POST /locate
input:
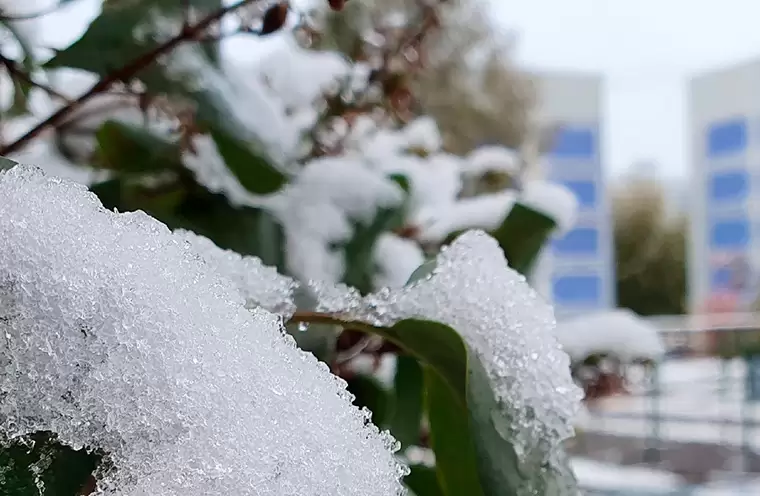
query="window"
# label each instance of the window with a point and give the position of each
(720, 278)
(585, 192)
(729, 186)
(577, 290)
(574, 142)
(582, 241)
(729, 233)
(729, 136)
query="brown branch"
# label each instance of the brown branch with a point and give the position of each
(17, 73)
(125, 73)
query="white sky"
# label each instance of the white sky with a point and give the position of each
(647, 50)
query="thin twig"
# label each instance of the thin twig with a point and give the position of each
(125, 73)
(17, 73)
(354, 351)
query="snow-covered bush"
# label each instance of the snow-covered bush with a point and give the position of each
(146, 352)
(602, 344)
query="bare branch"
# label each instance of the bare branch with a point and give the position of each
(17, 73)
(124, 73)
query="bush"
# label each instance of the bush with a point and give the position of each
(302, 195)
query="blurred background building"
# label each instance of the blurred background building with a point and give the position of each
(578, 268)
(724, 121)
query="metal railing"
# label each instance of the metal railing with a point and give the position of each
(709, 417)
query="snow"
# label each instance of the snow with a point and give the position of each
(246, 102)
(396, 259)
(210, 170)
(492, 158)
(300, 76)
(486, 212)
(317, 210)
(553, 200)
(423, 134)
(504, 322)
(117, 335)
(701, 400)
(260, 285)
(617, 332)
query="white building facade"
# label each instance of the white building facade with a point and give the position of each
(724, 248)
(577, 271)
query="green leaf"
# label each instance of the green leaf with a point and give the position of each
(406, 420)
(470, 434)
(254, 171)
(433, 343)
(522, 235)
(422, 480)
(423, 271)
(500, 466)
(371, 394)
(21, 87)
(475, 443)
(127, 148)
(6, 163)
(40, 458)
(450, 438)
(121, 34)
(359, 250)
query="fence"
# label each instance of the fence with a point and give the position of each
(696, 415)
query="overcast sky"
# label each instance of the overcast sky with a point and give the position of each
(647, 50)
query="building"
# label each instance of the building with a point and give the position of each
(576, 271)
(724, 122)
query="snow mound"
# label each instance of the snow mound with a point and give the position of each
(117, 336)
(618, 332)
(502, 319)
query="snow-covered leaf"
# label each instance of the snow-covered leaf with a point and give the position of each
(619, 333)
(360, 249)
(531, 398)
(119, 337)
(522, 235)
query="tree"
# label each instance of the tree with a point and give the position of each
(650, 250)
(291, 195)
(466, 80)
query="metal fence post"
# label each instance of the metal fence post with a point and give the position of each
(652, 451)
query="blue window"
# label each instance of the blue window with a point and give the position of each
(585, 192)
(582, 241)
(574, 142)
(720, 278)
(729, 186)
(577, 290)
(728, 136)
(730, 234)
